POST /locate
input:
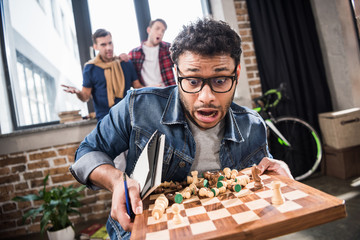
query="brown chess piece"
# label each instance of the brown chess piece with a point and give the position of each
(257, 180)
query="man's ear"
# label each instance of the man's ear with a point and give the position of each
(148, 30)
(238, 70)
(95, 47)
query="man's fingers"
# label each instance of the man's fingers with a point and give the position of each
(135, 199)
(280, 167)
(119, 212)
(264, 165)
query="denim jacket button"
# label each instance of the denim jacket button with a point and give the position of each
(182, 164)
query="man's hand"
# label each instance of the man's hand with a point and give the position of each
(124, 57)
(83, 95)
(70, 89)
(118, 207)
(280, 167)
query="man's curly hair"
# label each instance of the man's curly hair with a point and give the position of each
(207, 37)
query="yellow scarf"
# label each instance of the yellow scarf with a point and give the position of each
(115, 81)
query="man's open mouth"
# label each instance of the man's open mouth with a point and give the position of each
(208, 113)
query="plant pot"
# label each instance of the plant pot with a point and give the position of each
(63, 234)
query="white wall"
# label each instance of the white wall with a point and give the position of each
(340, 48)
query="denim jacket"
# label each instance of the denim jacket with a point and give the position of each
(131, 122)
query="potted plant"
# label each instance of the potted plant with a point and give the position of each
(56, 206)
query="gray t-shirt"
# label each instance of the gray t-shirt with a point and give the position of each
(207, 147)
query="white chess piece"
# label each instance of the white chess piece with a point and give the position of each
(195, 177)
(177, 219)
(277, 198)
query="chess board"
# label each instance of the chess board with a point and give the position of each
(245, 214)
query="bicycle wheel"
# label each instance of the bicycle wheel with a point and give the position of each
(304, 154)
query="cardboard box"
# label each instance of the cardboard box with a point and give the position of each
(340, 129)
(341, 163)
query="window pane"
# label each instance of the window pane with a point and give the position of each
(175, 17)
(42, 45)
(119, 18)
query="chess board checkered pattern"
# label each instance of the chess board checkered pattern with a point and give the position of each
(205, 215)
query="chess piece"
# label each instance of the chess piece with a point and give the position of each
(195, 176)
(186, 193)
(227, 172)
(210, 194)
(161, 203)
(277, 198)
(216, 191)
(222, 189)
(159, 190)
(236, 187)
(207, 175)
(202, 192)
(243, 180)
(221, 183)
(234, 173)
(174, 198)
(194, 189)
(177, 219)
(255, 175)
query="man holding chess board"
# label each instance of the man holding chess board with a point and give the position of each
(204, 129)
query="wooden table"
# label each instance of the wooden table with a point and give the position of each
(231, 215)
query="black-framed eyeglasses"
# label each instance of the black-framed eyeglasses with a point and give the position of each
(219, 84)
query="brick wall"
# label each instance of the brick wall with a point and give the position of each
(248, 48)
(23, 173)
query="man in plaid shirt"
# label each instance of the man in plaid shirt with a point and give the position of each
(152, 60)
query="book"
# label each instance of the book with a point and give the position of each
(148, 168)
(70, 116)
(87, 232)
(100, 234)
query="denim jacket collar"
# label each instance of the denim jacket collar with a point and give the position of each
(174, 114)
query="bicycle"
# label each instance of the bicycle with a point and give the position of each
(290, 139)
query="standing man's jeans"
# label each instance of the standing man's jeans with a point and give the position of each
(115, 231)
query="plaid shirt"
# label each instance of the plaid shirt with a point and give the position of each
(138, 57)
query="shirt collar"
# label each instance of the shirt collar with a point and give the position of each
(174, 114)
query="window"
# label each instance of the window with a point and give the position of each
(37, 102)
(38, 61)
(120, 20)
(186, 11)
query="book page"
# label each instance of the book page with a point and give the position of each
(142, 168)
(157, 174)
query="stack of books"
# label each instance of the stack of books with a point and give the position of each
(97, 231)
(70, 116)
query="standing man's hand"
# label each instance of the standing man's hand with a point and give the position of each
(280, 167)
(118, 207)
(83, 95)
(124, 57)
(70, 89)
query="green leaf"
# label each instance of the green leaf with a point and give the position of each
(44, 221)
(33, 212)
(30, 197)
(58, 202)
